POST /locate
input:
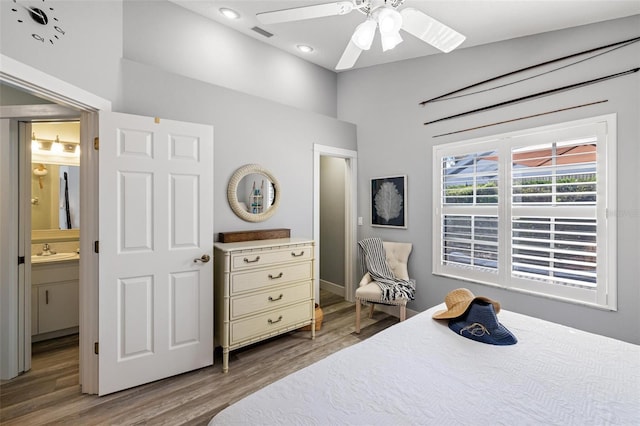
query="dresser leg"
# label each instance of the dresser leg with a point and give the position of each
(225, 360)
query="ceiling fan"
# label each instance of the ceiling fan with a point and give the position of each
(381, 14)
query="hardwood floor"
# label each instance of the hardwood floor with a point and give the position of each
(50, 394)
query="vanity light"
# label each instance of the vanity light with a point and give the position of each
(56, 146)
(55, 152)
(304, 48)
(35, 145)
(229, 13)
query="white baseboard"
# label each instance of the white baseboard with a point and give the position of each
(54, 334)
(332, 287)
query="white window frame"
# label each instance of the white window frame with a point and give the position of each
(605, 294)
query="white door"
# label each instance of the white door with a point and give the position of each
(156, 235)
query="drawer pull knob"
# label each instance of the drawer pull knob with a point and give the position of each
(271, 299)
(271, 277)
(270, 321)
(297, 255)
(251, 261)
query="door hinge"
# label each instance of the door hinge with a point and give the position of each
(96, 246)
(20, 260)
(96, 143)
(96, 348)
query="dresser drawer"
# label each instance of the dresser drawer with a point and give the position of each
(262, 258)
(271, 299)
(269, 323)
(267, 277)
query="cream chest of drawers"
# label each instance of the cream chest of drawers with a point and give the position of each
(262, 289)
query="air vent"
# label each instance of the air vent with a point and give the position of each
(262, 32)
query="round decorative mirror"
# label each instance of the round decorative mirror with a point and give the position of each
(253, 193)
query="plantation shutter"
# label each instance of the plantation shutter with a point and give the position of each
(532, 210)
(554, 211)
(469, 203)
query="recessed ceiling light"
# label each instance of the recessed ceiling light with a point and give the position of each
(229, 13)
(304, 48)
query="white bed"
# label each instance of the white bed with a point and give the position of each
(420, 372)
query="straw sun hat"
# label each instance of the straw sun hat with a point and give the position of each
(458, 301)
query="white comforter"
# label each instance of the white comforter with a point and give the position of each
(420, 372)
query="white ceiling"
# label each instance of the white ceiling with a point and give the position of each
(481, 21)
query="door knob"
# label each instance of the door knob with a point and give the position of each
(204, 258)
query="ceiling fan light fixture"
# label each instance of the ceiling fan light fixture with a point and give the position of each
(389, 41)
(389, 20)
(364, 33)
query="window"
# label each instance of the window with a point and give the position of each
(528, 211)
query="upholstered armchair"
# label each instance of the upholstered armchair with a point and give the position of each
(397, 256)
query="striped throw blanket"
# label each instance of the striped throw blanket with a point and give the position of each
(374, 260)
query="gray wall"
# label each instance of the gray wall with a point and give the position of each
(157, 59)
(332, 219)
(247, 129)
(169, 37)
(87, 55)
(11, 96)
(383, 102)
(175, 39)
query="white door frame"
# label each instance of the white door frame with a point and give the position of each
(46, 86)
(351, 212)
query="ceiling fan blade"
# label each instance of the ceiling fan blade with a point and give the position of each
(429, 30)
(349, 56)
(305, 12)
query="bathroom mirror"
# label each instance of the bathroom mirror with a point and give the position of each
(55, 196)
(55, 181)
(253, 193)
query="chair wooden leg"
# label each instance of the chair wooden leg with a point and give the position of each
(371, 310)
(403, 312)
(358, 316)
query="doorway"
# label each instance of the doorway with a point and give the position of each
(103, 361)
(51, 227)
(332, 225)
(62, 101)
(42, 147)
(344, 163)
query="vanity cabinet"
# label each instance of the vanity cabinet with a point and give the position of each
(54, 299)
(262, 289)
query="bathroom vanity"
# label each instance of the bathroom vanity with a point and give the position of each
(54, 297)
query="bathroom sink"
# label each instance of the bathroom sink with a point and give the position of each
(41, 258)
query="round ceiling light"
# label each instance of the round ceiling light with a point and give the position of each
(229, 13)
(304, 48)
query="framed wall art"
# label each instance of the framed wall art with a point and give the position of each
(389, 201)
